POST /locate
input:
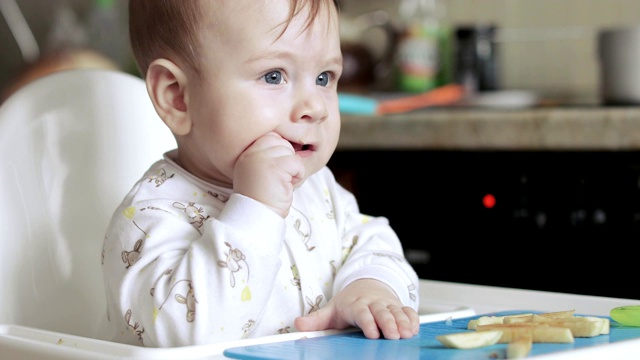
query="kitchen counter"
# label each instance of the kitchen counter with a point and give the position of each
(543, 128)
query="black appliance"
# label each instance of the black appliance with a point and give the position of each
(562, 221)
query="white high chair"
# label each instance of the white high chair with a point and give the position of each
(71, 145)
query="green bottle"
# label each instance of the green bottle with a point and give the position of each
(418, 58)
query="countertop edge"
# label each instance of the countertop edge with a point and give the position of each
(579, 128)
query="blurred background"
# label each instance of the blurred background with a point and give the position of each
(549, 48)
(546, 46)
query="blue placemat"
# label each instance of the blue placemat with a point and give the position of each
(354, 345)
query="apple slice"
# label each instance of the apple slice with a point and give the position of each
(470, 339)
(541, 332)
(520, 346)
(488, 319)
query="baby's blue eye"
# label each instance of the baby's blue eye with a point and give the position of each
(323, 79)
(273, 77)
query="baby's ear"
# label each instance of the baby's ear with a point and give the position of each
(166, 84)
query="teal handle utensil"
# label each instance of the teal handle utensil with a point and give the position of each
(357, 104)
(626, 315)
(365, 105)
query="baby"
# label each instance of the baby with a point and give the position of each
(242, 231)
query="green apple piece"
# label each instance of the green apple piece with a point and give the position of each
(627, 315)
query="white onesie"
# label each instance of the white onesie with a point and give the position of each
(186, 262)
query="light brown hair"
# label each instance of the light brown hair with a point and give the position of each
(169, 28)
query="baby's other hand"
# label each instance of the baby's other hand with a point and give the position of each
(267, 172)
(368, 304)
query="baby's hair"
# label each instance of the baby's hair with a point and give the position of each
(169, 28)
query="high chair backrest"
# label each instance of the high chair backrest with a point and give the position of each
(71, 146)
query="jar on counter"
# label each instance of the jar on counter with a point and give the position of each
(476, 65)
(418, 51)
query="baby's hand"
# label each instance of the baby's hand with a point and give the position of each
(267, 172)
(368, 304)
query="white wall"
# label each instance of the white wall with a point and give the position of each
(549, 45)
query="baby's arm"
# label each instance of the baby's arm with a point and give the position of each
(375, 289)
(174, 282)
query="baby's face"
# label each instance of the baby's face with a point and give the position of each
(257, 80)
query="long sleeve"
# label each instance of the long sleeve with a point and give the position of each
(177, 257)
(371, 249)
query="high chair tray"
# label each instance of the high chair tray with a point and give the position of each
(354, 345)
(23, 342)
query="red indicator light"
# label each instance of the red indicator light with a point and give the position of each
(489, 201)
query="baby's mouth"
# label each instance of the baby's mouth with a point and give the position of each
(301, 147)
